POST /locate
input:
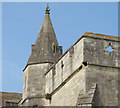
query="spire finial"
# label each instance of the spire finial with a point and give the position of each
(47, 11)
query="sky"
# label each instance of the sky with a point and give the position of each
(21, 23)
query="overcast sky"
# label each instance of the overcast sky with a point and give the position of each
(21, 23)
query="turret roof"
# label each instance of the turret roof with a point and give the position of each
(42, 50)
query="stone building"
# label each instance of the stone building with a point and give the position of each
(9, 99)
(87, 74)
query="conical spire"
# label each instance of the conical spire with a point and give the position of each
(46, 48)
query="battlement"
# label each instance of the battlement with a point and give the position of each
(90, 49)
(91, 35)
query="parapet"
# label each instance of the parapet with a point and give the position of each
(90, 49)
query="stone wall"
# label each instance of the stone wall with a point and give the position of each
(71, 61)
(67, 95)
(34, 84)
(103, 67)
(95, 51)
(96, 64)
(106, 79)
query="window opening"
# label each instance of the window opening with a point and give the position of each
(109, 49)
(62, 65)
(54, 48)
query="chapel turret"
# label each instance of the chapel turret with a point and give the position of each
(44, 53)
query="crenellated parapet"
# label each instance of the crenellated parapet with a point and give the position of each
(94, 58)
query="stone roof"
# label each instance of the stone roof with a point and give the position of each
(9, 97)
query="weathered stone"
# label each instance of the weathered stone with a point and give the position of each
(86, 75)
(99, 67)
(9, 98)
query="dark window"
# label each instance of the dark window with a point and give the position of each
(54, 48)
(35, 106)
(62, 65)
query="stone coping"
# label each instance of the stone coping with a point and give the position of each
(10, 92)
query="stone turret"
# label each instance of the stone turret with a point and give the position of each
(46, 48)
(44, 53)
